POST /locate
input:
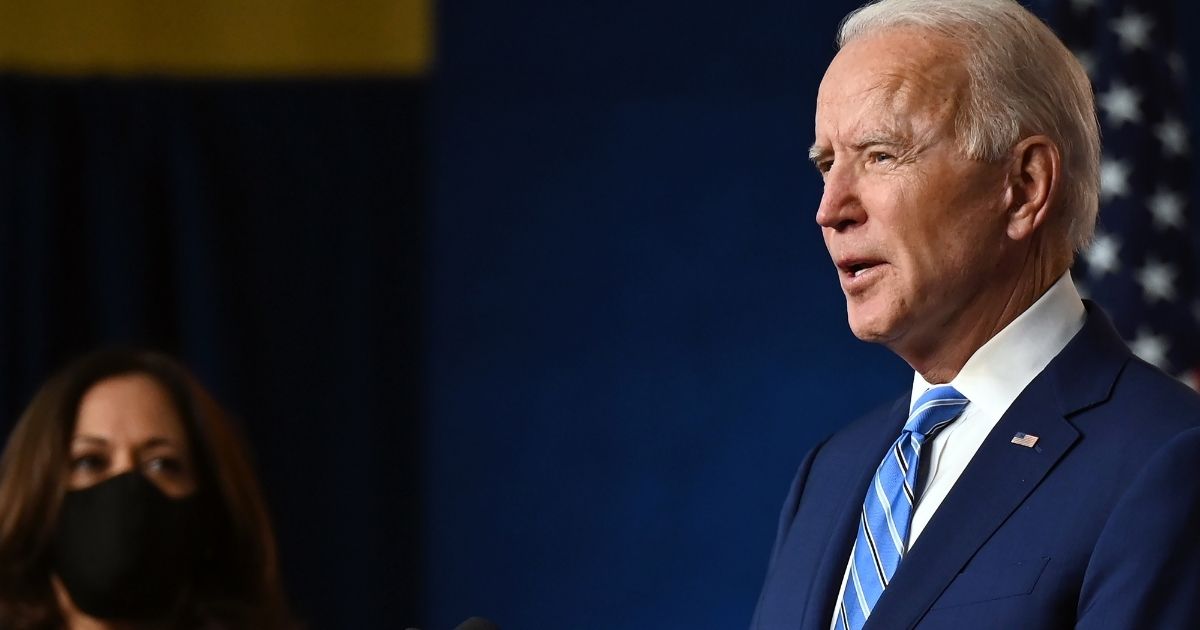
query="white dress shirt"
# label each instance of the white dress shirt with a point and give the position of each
(991, 379)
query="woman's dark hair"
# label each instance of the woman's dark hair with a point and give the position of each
(237, 584)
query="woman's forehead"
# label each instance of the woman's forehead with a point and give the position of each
(128, 407)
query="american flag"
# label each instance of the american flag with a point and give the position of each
(1140, 268)
(1024, 439)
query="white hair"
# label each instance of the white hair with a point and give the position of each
(1022, 81)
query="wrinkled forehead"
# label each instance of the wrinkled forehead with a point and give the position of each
(900, 74)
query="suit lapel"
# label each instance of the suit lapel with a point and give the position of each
(1001, 474)
(994, 484)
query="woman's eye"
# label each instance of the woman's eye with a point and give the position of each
(88, 463)
(168, 465)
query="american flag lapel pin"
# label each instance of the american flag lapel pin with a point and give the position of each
(1024, 439)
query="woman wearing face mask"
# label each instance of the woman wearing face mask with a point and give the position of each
(127, 502)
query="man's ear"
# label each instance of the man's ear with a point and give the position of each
(1034, 182)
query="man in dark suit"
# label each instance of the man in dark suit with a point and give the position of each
(1039, 475)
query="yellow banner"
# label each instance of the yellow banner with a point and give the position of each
(217, 38)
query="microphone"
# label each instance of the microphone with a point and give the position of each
(477, 623)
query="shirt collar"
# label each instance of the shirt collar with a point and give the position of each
(1000, 369)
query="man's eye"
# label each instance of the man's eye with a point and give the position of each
(878, 157)
(824, 166)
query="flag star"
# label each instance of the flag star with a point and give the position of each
(1173, 135)
(1114, 179)
(1150, 347)
(1087, 60)
(1167, 208)
(1102, 255)
(1157, 280)
(1133, 29)
(1178, 66)
(1121, 104)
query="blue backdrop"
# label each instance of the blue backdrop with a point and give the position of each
(634, 330)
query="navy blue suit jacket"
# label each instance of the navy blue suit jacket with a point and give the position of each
(1097, 526)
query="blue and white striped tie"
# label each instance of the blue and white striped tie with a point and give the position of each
(887, 510)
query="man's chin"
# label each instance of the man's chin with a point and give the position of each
(869, 336)
(872, 327)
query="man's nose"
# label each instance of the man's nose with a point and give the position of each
(840, 206)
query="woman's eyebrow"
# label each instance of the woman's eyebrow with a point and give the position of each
(158, 441)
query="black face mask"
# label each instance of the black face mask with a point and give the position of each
(123, 549)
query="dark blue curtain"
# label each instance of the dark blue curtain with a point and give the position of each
(269, 234)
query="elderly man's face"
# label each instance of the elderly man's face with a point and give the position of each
(914, 227)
